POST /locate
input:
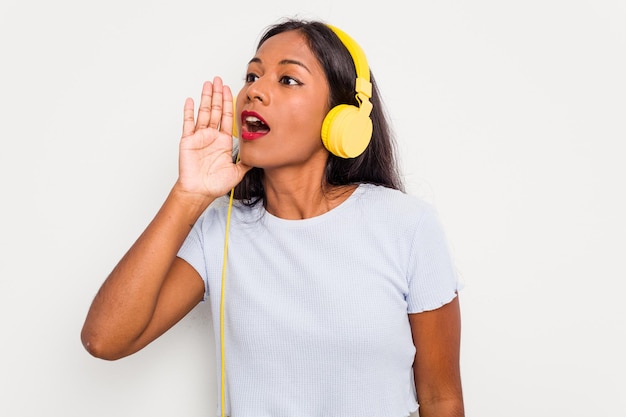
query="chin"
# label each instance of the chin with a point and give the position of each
(250, 159)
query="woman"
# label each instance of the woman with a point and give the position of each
(341, 297)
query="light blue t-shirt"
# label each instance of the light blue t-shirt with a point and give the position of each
(316, 309)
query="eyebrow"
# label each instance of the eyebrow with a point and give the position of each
(283, 62)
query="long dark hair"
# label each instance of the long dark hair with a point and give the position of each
(378, 164)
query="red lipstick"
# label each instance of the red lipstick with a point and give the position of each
(253, 126)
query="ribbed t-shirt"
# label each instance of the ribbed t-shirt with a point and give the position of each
(316, 310)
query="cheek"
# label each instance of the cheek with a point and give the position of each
(306, 119)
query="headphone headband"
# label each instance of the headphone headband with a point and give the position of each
(358, 56)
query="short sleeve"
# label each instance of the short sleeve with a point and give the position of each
(432, 276)
(192, 251)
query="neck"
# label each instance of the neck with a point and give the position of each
(302, 195)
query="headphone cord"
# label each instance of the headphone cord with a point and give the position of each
(222, 298)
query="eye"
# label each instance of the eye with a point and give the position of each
(289, 81)
(251, 77)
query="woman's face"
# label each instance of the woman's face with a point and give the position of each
(282, 105)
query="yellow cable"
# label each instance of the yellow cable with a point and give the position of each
(223, 291)
(222, 297)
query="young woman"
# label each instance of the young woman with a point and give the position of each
(341, 296)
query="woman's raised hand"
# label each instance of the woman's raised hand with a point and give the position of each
(206, 167)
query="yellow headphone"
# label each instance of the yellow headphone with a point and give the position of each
(347, 129)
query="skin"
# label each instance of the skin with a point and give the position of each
(291, 93)
(151, 289)
(437, 338)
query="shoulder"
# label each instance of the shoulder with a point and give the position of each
(392, 203)
(217, 209)
(220, 206)
(217, 212)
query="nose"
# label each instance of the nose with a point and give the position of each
(257, 92)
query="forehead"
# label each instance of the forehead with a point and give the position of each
(287, 45)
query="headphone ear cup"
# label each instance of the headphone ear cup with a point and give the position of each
(235, 132)
(235, 129)
(346, 131)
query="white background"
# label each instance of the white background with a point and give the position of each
(511, 120)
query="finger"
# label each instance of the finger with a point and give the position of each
(216, 103)
(204, 110)
(226, 124)
(188, 120)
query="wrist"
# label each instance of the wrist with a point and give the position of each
(194, 203)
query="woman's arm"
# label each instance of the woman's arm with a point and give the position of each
(148, 291)
(151, 289)
(437, 336)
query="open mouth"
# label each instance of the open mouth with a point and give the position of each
(253, 125)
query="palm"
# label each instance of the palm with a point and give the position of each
(206, 164)
(205, 160)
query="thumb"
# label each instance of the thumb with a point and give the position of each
(242, 170)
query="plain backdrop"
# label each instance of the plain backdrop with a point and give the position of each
(510, 117)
